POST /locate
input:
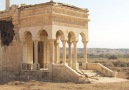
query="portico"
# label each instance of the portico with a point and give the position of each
(39, 52)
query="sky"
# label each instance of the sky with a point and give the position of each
(109, 21)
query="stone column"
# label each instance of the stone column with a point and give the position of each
(24, 55)
(48, 52)
(85, 56)
(36, 65)
(75, 64)
(44, 52)
(24, 45)
(57, 52)
(70, 53)
(52, 57)
(64, 51)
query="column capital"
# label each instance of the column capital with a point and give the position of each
(51, 41)
(75, 42)
(64, 40)
(84, 42)
(57, 41)
(69, 43)
(36, 41)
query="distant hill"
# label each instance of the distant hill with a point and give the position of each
(98, 51)
(101, 52)
(104, 52)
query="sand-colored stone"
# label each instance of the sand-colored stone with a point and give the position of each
(35, 46)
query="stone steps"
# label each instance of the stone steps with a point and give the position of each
(92, 73)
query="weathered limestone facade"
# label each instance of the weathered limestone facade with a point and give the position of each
(38, 31)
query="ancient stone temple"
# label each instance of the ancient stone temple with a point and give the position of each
(30, 40)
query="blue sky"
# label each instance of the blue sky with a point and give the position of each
(109, 25)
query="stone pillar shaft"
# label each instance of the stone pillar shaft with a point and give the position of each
(75, 63)
(85, 52)
(36, 52)
(64, 52)
(24, 44)
(52, 57)
(84, 63)
(57, 52)
(48, 52)
(75, 52)
(44, 54)
(70, 53)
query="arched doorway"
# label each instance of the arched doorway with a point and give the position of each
(28, 56)
(29, 47)
(84, 51)
(43, 49)
(71, 40)
(59, 47)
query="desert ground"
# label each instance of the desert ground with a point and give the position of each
(35, 85)
(120, 65)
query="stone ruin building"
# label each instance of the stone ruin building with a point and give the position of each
(30, 39)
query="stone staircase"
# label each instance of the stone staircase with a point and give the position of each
(97, 77)
(92, 76)
(92, 73)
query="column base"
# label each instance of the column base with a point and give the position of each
(70, 64)
(27, 66)
(45, 65)
(84, 66)
(36, 66)
(75, 66)
(65, 63)
(50, 67)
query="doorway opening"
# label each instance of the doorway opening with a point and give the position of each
(41, 53)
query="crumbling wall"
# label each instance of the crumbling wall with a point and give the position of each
(7, 32)
(10, 50)
(9, 62)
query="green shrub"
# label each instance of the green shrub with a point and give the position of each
(120, 64)
(113, 57)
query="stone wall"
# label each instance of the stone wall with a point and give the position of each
(25, 76)
(102, 69)
(11, 57)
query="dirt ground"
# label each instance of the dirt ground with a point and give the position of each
(37, 85)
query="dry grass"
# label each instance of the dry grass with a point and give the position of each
(35, 85)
